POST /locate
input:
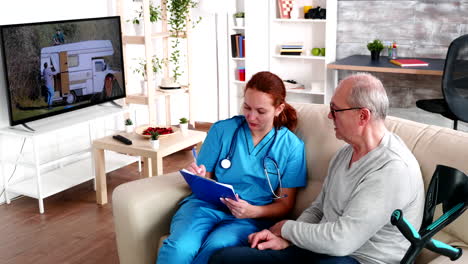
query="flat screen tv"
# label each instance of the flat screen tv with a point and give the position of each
(60, 66)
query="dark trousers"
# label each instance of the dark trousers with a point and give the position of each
(290, 255)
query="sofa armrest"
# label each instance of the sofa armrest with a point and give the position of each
(143, 211)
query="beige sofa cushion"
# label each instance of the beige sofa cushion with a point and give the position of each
(317, 132)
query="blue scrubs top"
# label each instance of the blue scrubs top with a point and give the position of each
(246, 173)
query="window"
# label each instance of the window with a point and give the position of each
(99, 66)
(73, 61)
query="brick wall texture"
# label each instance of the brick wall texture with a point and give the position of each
(422, 28)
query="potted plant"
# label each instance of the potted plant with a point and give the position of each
(375, 48)
(239, 19)
(154, 140)
(141, 70)
(128, 125)
(155, 16)
(178, 21)
(183, 124)
(137, 22)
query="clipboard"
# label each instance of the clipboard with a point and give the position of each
(208, 190)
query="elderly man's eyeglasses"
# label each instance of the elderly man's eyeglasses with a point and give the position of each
(334, 111)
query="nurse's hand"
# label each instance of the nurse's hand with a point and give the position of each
(240, 208)
(198, 170)
(265, 239)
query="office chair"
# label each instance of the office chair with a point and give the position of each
(448, 187)
(454, 105)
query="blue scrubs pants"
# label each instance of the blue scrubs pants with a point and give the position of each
(198, 229)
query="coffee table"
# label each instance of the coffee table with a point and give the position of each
(141, 147)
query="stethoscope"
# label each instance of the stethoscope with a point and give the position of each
(226, 162)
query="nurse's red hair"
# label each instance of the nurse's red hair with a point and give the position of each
(271, 84)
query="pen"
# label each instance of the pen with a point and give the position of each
(194, 153)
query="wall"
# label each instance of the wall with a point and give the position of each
(421, 28)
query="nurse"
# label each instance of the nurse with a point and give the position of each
(264, 161)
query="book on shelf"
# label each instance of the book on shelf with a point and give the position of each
(291, 47)
(207, 189)
(409, 62)
(291, 50)
(243, 46)
(295, 53)
(238, 46)
(233, 45)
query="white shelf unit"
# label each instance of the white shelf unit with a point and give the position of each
(306, 69)
(157, 35)
(256, 46)
(53, 176)
(236, 86)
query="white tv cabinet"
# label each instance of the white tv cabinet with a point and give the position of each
(71, 169)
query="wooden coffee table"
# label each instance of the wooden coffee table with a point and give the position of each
(140, 147)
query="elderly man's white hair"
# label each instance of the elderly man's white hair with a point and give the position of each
(368, 91)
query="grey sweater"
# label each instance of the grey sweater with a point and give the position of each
(351, 215)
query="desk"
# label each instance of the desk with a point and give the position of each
(364, 63)
(140, 147)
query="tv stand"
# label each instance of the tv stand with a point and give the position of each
(114, 104)
(68, 168)
(28, 127)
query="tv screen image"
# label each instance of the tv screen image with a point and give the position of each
(60, 66)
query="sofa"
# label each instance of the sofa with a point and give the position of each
(143, 208)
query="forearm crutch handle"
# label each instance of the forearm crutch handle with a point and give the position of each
(405, 227)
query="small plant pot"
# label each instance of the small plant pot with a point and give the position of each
(144, 87)
(239, 21)
(155, 27)
(129, 129)
(154, 144)
(184, 129)
(138, 29)
(375, 55)
(129, 28)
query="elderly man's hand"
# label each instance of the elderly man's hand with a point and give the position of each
(276, 228)
(265, 239)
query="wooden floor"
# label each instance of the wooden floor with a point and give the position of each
(73, 229)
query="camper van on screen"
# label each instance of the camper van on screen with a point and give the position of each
(80, 69)
(55, 67)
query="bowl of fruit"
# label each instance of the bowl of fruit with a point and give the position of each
(163, 131)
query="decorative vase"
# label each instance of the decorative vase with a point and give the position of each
(295, 12)
(375, 55)
(129, 28)
(155, 144)
(144, 87)
(129, 128)
(138, 29)
(239, 21)
(155, 27)
(184, 128)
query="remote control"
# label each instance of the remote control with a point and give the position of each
(122, 139)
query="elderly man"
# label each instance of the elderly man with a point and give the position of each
(349, 222)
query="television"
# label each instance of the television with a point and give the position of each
(59, 66)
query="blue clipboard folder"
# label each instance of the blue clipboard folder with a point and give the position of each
(208, 190)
